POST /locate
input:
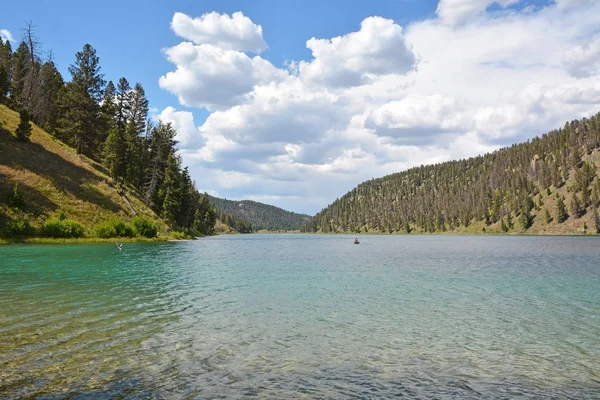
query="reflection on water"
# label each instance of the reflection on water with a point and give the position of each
(303, 316)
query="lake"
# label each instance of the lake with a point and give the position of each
(303, 316)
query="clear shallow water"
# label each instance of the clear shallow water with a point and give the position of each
(303, 316)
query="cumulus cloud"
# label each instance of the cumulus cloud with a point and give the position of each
(6, 35)
(212, 77)
(417, 118)
(235, 32)
(382, 99)
(378, 48)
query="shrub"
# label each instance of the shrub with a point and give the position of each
(16, 197)
(114, 228)
(105, 230)
(62, 228)
(177, 235)
(145, 227)
(18, 227)
(123, 230)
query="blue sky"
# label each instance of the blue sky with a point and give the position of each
(385, 86)
(129, 35)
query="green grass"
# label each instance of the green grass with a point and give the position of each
(53, 179)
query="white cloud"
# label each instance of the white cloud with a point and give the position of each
(417, 118)
(188, 134)
(235, 32)
(455, 12)
(6, 35)
(300, 135)
(566, 4)
(377, 48)
(583, 60)
(213, 77)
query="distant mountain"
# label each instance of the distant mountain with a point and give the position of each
(261, 216)
(549, 184)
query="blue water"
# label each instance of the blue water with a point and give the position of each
(303, 316)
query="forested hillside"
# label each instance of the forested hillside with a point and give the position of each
(547, 185)
(100, 157)
(259, 215)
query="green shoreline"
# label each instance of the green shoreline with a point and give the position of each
(5, 241)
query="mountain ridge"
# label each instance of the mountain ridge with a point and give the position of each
(547, 185)
(262, 216)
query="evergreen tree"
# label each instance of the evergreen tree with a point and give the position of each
(503, 225)
(161, 144)
(5, 70)
(526, 219)
(123, 103)
(47, 93)
(20, 70)
(81, 121)
(24, 129)
(547, 216)
(585, 196)
(597, 221)
(561, 211)
(139, 108)
(115, 155)
(576, 209)
(171, 189)
(108, 110)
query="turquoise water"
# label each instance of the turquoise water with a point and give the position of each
(303, 316)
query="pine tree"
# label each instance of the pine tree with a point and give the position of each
(5, 70)
(24, 129)
(81, 120)
(115, 155)
(123, 103)
(525, 219)
(139, 108)
(161, 144)
(503, 225)
(597, 221)
(585, 196)
(561, 211)
(46, 96)
(547, 216)
(576, 209)
(20, 70)
(171, 189)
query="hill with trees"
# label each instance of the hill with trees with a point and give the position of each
(259, 215)
(548, 185)
(84, 151)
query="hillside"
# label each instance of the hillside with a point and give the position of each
(53, 178)
(548, 185)
(259, 215)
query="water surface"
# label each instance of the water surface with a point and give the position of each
(303, 316)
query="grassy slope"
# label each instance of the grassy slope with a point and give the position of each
(53, 177)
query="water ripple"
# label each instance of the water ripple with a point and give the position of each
(303, 317)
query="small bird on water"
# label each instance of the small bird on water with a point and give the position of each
(119, 246)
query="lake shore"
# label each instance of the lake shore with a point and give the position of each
(90, 240)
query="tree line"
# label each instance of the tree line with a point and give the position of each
(546, 180)
(106, 122)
